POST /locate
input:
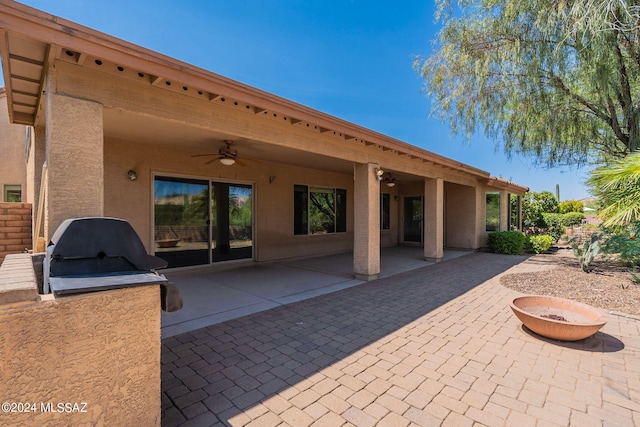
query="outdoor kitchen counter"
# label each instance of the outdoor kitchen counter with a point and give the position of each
(89, 358)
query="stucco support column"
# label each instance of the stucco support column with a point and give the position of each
(504, 211)
(75, 165)
(366, 230)
(433, 219)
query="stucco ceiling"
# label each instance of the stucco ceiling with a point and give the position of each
(128, 126)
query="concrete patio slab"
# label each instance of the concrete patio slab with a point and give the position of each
(212, 295)
(431, 346)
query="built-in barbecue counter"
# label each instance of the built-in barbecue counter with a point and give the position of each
(80, 329)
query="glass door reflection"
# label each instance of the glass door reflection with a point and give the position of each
(232, 221)
(181, 218)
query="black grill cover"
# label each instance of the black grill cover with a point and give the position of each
(98, 245)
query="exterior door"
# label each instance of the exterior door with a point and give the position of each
(181, 221)
(197, 222)
(412, 219)
(232, 221)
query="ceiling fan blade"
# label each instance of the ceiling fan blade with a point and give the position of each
(240, 163)
(203, 155)
(212, 160)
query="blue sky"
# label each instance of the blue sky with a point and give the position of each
(348, 58)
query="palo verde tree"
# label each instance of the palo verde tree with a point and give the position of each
(558, 80)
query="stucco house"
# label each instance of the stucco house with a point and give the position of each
(209, 170)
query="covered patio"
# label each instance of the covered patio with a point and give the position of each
(214, 295)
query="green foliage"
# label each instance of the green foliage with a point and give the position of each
(492, 218)
(558, 81)
(553, 225)
(570, 206)
(540, 244)
(587, 253)
(507, 242)
(534, 205)
(572, 218)
(617, 186)
(624, 243)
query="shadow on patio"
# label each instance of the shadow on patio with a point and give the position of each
(221, 373)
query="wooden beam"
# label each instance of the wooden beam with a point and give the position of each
(156, 80)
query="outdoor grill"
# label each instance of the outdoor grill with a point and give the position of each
(96, 254)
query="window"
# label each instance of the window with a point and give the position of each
(492, 211)
(385, 211)
(319, 210)
(12, 193)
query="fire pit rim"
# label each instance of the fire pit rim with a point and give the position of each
(557, 329)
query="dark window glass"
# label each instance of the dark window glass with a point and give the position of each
(385, 211)
(300, 209)
(493, 212)
(319, 210)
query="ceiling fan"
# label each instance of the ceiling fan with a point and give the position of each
(227, 155)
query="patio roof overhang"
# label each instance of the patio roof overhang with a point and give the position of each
(32, 40)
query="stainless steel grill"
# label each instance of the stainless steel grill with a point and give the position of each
(97, 253)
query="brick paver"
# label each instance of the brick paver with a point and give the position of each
(434, 346)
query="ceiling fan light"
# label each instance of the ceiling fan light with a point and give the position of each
(391, 184)
(227, 162)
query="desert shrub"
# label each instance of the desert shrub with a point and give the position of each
(540, 244)
(553, 225)
(623, 242)
(534, 205)
(572, 218)
(507, 242)
(570, 206)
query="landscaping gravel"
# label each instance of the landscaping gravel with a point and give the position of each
(609, 286)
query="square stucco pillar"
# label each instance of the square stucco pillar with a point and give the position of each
(366, 233)
(75, 160)
(433, 219)
(504, 211)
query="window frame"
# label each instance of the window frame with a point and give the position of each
(302, 224)
(385, 211)
(12, 189)
(491, 228)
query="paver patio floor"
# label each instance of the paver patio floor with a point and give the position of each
(433, 346)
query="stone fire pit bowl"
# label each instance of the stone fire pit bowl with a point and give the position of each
(558, 318)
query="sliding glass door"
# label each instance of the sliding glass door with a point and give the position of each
(232, 221)
(412, 228)
(198, 222)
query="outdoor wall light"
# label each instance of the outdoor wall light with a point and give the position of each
(132, 175)
(379, 172)
(227, 161)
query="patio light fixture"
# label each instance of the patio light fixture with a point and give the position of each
(379, 172)
(132, 175)
(390, 181)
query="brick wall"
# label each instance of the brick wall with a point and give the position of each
(15, 228)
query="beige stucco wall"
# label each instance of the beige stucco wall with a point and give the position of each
(460, 211)
(101, 348)
(12, 151)
(132, 200)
